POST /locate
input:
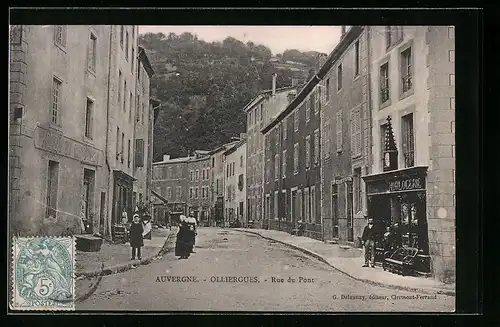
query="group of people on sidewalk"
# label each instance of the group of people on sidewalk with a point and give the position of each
(391, 241)
(186, 236)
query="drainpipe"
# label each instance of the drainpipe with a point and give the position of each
(107, 231)
(369, 107)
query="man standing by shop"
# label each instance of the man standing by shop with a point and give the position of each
(368, 239)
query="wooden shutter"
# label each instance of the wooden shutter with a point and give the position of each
(358, 131)
(339, 130)
(139, 153)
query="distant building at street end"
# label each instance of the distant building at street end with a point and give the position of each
(199, 186)
(170, 181)
(235, 184)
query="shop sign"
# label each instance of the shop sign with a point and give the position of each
(64, 146)
(407, 184)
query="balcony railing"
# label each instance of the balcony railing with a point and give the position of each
(384, 94)
(407, 83)
(409, 158)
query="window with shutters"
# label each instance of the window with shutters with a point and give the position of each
(356, 132)
(92, 57)
(326, 139)
(268, 171)
(406, 70)
(296, 158)
(178, 193)
(408, 141)
(339, 130)
(313, 204)
(356, 59)
(308, 150)
(308, 110)
(384, 83)
(125, 96)
(357, 190)
(169, 193)
(169, 173)
(283, 165)
(307, 206)
(276, 205)
(284, 128)
(56, 101)
(120, 78)
(126, 46)
(327, 90)
(276, 166)
(137, 107)
(130, 109)
(122, 32)
(312, 103)
(60, 35)
(196, 193)
(339, 77)
(139, 153)
(89, 119)
(393, 35)
(317, 97)
(299, 204)
(316, 146)
(129, 153)
(296, 120)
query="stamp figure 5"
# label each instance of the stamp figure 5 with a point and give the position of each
(43, 276)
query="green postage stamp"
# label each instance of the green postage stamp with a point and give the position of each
(43, 273)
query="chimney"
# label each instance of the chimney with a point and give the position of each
(166, 157)
(290, 96)
(243, 136)
(274, 84)
(295, 81)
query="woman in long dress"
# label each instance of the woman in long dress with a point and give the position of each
(183, 242)
(192, 231)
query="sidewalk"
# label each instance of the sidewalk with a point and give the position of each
(116, 257)
(350, 260)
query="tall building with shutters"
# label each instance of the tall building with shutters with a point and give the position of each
(412, 178)
(345, 126)
(80, 128)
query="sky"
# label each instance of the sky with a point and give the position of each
(277, 38)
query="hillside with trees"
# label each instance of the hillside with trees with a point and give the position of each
(203, 87)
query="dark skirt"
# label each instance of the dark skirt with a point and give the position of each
(183, 244)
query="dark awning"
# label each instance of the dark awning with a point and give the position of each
(159, 197)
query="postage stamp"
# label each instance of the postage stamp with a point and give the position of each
(43, 273)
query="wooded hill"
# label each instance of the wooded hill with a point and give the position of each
(204, 86)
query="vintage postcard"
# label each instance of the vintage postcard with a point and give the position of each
(232, 168)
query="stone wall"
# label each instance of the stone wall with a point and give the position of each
(441, 174)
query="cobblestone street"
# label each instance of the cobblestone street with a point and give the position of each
(224, 256)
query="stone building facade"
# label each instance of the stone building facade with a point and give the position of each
(235, 183)
(412, 78)
(260, 111)
(59, 92)
(199, 187)
(345, 126)
(65, 114)
(292, 171)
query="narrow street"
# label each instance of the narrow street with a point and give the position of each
(223, 257)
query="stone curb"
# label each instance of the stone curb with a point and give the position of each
(367, 281)
(126, 266)
(120, 268)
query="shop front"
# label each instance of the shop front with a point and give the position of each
(122, 201)
(397, 204)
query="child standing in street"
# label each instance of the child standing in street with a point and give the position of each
(136, 241)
